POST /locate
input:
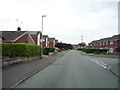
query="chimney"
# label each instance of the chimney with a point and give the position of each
(18, 29)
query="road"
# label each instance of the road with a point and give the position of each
(74, 70)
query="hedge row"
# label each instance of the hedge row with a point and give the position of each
(17, 49)
(93, 50)
(46, 50)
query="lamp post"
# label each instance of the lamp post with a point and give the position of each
(42, 38)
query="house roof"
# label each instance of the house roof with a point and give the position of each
(51, 39)
(33, 33)
(45, 35)
(113, 38)
(11, 36)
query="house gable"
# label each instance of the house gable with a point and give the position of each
(17, 37)
(26, 38)
(36, 36)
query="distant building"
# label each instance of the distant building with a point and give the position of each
(56, 41)
(76, 46)
(51, 42)
(17, 37)
(110, 43)
(45, 41)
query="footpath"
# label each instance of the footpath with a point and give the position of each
(15, 74)
(114, 68)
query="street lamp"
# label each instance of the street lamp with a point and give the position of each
(42, 38)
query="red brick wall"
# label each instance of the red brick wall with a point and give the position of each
(44, 43)
(51, 44)
(24, 39)
(35, 39)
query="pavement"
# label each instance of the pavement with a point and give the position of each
(17, 73)
(113, 68)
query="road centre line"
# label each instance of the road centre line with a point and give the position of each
(99, 63)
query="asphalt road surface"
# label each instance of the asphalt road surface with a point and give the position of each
(75, 70)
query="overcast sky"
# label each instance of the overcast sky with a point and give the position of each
(67, 20)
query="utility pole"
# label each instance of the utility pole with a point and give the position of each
(81, 39)
(42, 38)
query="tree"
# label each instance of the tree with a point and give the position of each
(64, 45)
(82, 45)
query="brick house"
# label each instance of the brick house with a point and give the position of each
(110, 43)
(56, 41)
(17, 37)
(36, 36)
(51, 42)
(45, 41)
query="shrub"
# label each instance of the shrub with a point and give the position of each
(17, 49)
(95, 50)
(81, 49)
(59, 50)
(46, 50)
(51, 49)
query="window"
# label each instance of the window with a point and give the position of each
(104, 43)
(43, 39)
(111, 50)
(114, 42)
(111, 42)
(99, 43)
(108, 42)
(117, 41)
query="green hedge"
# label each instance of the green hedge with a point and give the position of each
(94, 50)
(51, 49)
(46, 50)
(17, 49)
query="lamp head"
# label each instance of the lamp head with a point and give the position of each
(43, 15)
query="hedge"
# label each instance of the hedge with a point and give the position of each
(94, 50)
(51, 49)
(46, 50)
(17, 49)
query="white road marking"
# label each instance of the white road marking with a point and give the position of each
(99, 63)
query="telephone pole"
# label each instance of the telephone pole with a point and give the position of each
(81, 39)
